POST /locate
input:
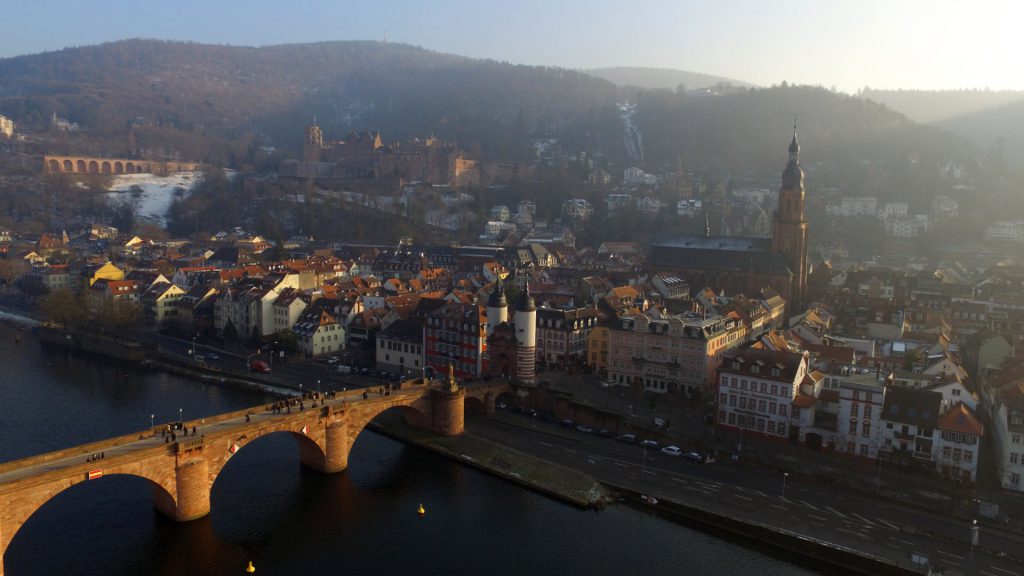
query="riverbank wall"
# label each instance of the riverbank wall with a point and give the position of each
(839, 559)
(555, 481)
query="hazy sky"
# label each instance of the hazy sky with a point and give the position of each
(848, 44)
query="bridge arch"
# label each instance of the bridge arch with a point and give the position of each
(80, 165)
(118, 167)
(94, 167)
(54, 165)
(309, 449)
(24, 509)
(69, 166)
(105, 168)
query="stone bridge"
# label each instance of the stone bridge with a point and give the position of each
(91, 165)
(182, 472)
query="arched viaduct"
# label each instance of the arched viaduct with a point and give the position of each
(182, 472)
(113, 166)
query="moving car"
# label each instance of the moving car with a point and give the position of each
(627, 438)
(672, 451)
(696, 457)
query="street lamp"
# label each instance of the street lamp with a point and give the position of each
(974, 541)
(300, 390)
(192, 350)
(151, 417)
(179, 415)
(785, 475)
(318, 386)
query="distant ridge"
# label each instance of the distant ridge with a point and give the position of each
(666, 78)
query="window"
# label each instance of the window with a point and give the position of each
(864, 450)
(1016, 438)
(865, 429)
(795, 412)
(782, 429)
(854, 410)
(764, 387)
(732, 418)
(1014, 457)
(947, 452)
(732, 400)
(775, 389)
(968, 456)
(743, 403)
(771, 427)
(1015, 479)
(867, 411)
(853, 427)
(761, 405)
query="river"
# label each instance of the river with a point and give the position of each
(287, 520)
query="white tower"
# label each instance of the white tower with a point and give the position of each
(526, 338)
(497, 307)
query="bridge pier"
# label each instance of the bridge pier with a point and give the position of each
(489, 403)
(193, 490)
(448, 416)
(336, 457)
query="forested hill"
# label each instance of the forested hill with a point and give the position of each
(197, 96)
(664, 78)
(751, 128)
(994, 119)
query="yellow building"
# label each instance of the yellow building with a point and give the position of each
(597, 349)
(106, 272)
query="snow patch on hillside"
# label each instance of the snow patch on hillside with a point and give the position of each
(156, 193)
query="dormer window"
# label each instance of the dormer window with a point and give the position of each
(755, 369)
(775, 372)
(735, 365)
(1016, 419)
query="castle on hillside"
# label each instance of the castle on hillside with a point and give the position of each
(362, 155)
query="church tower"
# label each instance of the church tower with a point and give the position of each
(497, 307)
(789, 226)
(526, 338)
(313, 148)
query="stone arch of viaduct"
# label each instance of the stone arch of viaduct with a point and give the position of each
(113, 166)
(182, 473)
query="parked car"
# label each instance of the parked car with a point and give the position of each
(627, 438)
(672, 451)
(212, 356)
(649, 444)
(332, 360)
(696, 457)
(604, 433)
(585, 429)
(567, 423)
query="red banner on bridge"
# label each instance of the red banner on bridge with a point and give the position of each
(96, 474)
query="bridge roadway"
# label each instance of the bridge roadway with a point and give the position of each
(183, 471)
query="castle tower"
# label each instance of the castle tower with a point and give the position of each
(497, 307)
(526, 338)
(789, 225)
(313, 148)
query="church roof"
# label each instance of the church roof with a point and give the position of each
(720, 253)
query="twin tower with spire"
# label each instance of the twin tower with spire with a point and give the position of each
(512, 346)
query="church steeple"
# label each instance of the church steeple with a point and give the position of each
(793, 175)
(789, 227)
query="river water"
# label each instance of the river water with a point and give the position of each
(289, 521)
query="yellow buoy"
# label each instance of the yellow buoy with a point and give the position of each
(250, 568)
(421, 511)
